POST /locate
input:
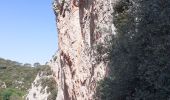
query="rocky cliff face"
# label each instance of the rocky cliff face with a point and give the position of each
(83, 28)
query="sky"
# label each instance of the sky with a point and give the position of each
(28, 31)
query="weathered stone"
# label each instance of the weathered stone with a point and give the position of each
(82, 25)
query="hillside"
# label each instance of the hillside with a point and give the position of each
(16, 78)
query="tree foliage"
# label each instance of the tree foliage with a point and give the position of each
(16, 78)
(139, 57)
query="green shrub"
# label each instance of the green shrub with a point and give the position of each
(10, 94)
(52, 95)
(139, 57)
(18, 78)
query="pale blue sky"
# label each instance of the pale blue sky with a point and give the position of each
(27, 30)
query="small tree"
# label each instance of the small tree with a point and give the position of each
(37, 64)
(27, 65)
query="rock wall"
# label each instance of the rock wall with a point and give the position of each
(83, 29)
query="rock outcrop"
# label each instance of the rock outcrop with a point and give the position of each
(84, 26)
(2, 84)
(43, 87)
(37, 92)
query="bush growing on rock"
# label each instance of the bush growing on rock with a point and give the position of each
(139, 58)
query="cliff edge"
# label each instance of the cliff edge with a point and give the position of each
(84, 27)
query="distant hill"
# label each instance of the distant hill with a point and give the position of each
(16, 78)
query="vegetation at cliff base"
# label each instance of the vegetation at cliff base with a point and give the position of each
(139, 56)
(16, 78)
(11, 94)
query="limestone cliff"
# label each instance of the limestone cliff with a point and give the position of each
(83, 28)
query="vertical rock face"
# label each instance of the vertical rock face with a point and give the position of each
(83, 27)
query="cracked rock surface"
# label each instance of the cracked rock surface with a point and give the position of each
(83, 26)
